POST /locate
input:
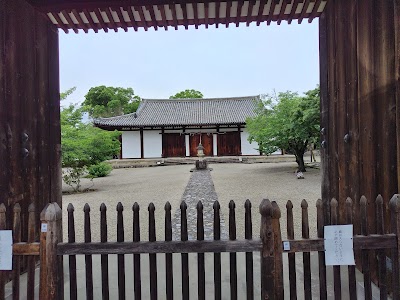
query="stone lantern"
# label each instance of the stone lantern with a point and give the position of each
(200, 163)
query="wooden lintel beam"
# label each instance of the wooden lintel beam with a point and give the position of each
(304, 10)
(360, 242)
(100, 18)
(90, 20)
(70, 22)
(314, 11)
(26, 249)
(161, 8)
(83, 25)
(196, 15)
(128, 9)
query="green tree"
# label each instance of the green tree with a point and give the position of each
(289, 122)
(104, 101)
(187, 94)
(83, 145)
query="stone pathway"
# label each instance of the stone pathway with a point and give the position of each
(199, 188)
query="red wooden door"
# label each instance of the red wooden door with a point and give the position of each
(206, 141)
(229, 144)
(174, 145)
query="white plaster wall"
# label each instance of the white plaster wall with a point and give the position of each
(248, 148)
(130, 144)
(187, 145)
(215, 144)
(152, 143)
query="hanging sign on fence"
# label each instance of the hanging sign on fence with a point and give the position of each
(338, 242)
(6, 250)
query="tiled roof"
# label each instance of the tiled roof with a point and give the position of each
(184, 112)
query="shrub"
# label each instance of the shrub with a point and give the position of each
(100, 170)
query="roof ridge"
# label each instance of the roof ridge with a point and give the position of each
(204, 99)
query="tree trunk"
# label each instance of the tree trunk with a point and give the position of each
(300, 162)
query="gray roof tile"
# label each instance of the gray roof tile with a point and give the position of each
(184, 112)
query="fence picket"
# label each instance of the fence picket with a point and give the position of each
(291, 256)
(365, 253)
(351, 269)
(104, 257)
(305, 230)
(184, 256)
(169, 275)
(16, 258)
(380, 229)
(276, 227)
(321, 254)
(121, 257)
(30, 288)
(217, 256)
(232, 255)
(200, 256)
(72, 258)
(395, 228)
(152, 257)
(136, 257)
(88, 258)
(248, 234)
(3, 222)
(337, 283)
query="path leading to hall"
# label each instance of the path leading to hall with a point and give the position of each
(199, 188)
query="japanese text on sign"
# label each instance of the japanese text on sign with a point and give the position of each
(338, 245)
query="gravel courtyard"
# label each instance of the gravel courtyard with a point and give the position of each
(238, 182)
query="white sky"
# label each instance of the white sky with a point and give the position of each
(218, 62)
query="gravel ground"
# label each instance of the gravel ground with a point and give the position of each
(238, 182)
(274, 181)
(141, 185)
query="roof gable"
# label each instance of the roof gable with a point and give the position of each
(185, 112)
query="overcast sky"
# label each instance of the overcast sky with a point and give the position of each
(223, 62)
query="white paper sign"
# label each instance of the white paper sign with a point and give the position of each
(6, 249)
(339, 245)
(286, 246)
(44, 227)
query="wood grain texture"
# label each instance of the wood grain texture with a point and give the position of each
(291, 256)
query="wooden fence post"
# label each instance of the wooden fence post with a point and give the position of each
(267, 251)
(3, 223)
(51, 275)
(395, 224)
(278, 249)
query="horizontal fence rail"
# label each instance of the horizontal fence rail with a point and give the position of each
(269, 245)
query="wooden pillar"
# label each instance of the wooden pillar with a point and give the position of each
(141, 144)
(30, 151)
(397, 77)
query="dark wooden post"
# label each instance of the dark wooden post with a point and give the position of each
(267, 251)
(141, 144)
(52, 287)
(395, 222)
(278, 249)
(3, 223)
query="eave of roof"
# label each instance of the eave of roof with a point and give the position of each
(184, 112)
(123, 14)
